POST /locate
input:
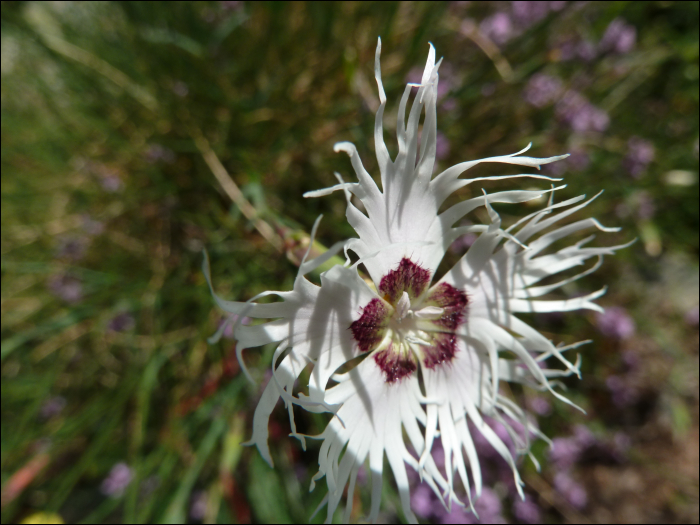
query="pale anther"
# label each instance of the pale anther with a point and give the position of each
(403, 306)
(430, 312)
(416, 341)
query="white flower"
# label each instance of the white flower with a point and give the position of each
(434, 351)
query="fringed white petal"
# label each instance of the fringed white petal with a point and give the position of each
(405, 211)
(374, 412)
(499, 276)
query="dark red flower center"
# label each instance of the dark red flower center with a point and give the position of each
(410, 322)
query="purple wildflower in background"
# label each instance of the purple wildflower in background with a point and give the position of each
(623, 388)
(117, 481)
(586, 50)
(578, 160)
(227, 324)
(557, 5)
(615, 322)
(414, 75)
(566, 49)
(639, 203)
(527, 511)
(486, 449)
(457, 516)
(111, 183)
(580, 115)
(692, 316)
(198, 505)
(447, 83)
(156, 152)
(91, 226)
(122, 322)
(620, 37)
(463, 242)
(424, 501)
(449, 104)
(645, 206)
(623, 394)
(540, 406)
(362, 477)
(631, 359)
(52, 407)
(556, 171)
(572, 491)
(109, 177)
(489, 508)
(640, 153)
(565, 452)
(573, 48)
(447, 80)
(584, 437)
(66, 287)
(442, 146)
(528, 13)
(498, 27)
(542, 90)
(460, 245)
(620, 446)
(72, 249)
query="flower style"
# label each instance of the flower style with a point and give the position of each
(411, 354)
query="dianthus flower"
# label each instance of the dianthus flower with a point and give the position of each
(429, 353)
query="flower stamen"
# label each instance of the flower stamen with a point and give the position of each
(410, 323)
(403, 307)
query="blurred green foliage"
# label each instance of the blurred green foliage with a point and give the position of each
(108, 201)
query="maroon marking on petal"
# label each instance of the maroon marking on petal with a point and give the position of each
(369, 329)
(394, 366)
(443, 351)
(454, 302)
(408, 277)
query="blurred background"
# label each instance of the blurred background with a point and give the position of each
(136, 134)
